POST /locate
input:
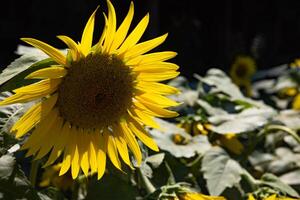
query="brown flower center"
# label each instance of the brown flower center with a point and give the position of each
(96, 92)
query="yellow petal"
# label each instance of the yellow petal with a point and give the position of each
(157, 88)
(131, 141)
(99, 46)
(32, 92)
(140, 132)
(159, 112)
(50, 137)
(83, 149)
(135, 35)
(93, 151)
(54, 53)
(111, 28)
(144, 47)
(87, 35)
(59, 145)
(157, 99)
(155, 67)
(144, 118)
(112, 151)
(34, 115)
(101, 154)
(151, 58)
(251, 197)
(122, 146)
(72, 45)
(75, 165)
(49, 72)
(68, 152)
(296, 102)
(123, 29)
(33, 143)
(272, 197)
(160, 76)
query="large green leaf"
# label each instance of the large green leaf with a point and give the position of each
(220, 171)
(13, 76)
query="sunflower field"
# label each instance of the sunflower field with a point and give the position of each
(111, 118)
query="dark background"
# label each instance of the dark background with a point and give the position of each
(204, 33)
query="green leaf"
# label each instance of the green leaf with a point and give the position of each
(220, 171)
(245, 121)
(274, 182)
(7, 163)
(13, 76)
(9, 114)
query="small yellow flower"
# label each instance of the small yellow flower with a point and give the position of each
(288, 92)
(296, 102)
(231, 142)
(242, 71)
(95, 101)
(51, 177)
(295, 64)
(198, 196)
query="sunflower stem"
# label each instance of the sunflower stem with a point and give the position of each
(285, 129)
(146, 182)
(253, 183)
(33, 172)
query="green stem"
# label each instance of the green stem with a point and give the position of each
(253, 183)
(33, 172)
(146, 182)
(285, 129)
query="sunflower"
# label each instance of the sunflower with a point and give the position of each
(96, 99)
(272, 197)
(198, 196)
(241, 72)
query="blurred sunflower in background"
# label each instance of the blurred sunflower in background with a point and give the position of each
(96, 99)
(241, 72)
(50, 178)
(271, 197)
(229, 141)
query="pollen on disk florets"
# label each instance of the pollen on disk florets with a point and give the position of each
(96, 92)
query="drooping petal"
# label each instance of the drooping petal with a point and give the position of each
(34, 115)
(143, 118)
(87, 35)
(50, 137)
(123, 29)
(141, 133)
(144, 47)
(33, 142)
(101, 154)
(59, 144)
(113, 152)
(93, 148)
(151, 58)
(75, 165)
(54, 53)
(52, 72)
(131, 141)
(83, 148)
(135, 35)
(121, 145)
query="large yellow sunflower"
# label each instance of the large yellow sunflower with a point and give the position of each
(96, 100)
